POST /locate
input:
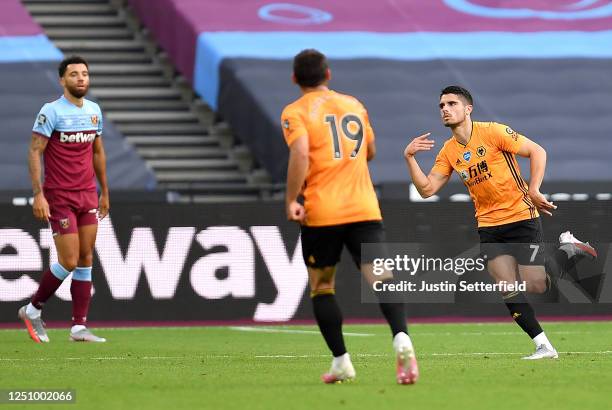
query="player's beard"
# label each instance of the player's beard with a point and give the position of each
(78, 92)
(453, 124)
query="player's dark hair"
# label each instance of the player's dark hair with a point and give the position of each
(310, 68)
(70, 60)
(460, 91)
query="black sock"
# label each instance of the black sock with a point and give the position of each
(522, 313)
(329, 318)
(395, 313)
(393, 308)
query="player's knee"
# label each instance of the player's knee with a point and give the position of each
(86, 260)
(322, 286)
(322, 281)
(322, 291)
(537, 286)
(68, 263)
(68, 258)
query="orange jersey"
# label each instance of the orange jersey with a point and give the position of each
(338, 187)
(488, 167)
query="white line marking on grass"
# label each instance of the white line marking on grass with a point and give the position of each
(47, 359)
(476, 354)
(508, 333)
(124, 328)
(282, 356)
(306, 356)
(508, 353)
(292, 331)
(132, 328)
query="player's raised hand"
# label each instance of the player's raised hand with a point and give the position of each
(40, 207)
(540, 202)
(421, 143)
(296, 212)
(103, 206)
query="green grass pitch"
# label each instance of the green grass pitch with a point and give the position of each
(463, 366)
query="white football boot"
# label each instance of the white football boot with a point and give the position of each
(341, 370)
(407, 371)
(574, 247)
(85, 335)
(543, 352)
(34, 325)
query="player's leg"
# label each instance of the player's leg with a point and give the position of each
(527, 246)
(530, 254)
(538, 281)
(391, 303)
(321, 248)
(543, 265)
(561, 263)
(535, 277)
(64, 228)
(503, 266)
(329, 319)
(541, 270)
(393, 309)
(326, 310)
(67, 249)
(80, 288)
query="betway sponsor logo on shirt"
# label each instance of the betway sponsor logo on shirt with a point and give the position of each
(77, 137)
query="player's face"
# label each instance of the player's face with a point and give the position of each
(453, 110)
(76, 80)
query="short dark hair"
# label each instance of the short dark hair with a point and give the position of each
(310, 68)
(460, 91)
(70, 60)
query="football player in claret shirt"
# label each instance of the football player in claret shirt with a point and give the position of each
(507, 208)
(67, 133)
(330, 142)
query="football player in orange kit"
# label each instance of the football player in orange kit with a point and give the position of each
(507, 209)
(330, 141)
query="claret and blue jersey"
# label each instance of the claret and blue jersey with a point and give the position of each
(71, 131)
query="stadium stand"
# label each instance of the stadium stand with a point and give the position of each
(28, 79)
(174, 133)
(545, 73)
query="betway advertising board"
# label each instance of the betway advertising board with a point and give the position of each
(159, 262)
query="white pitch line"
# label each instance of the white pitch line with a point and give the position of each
(508, 333)
(286, 356)
(415, 334)
(48, 359)
(306, 356)
(508, 353)
(416, 326)
(603, 352)
(291, 331)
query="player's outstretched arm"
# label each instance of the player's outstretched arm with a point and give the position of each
(99, 163)
(537, 159)
(40, 207)
(427, 185)
(296, 176)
